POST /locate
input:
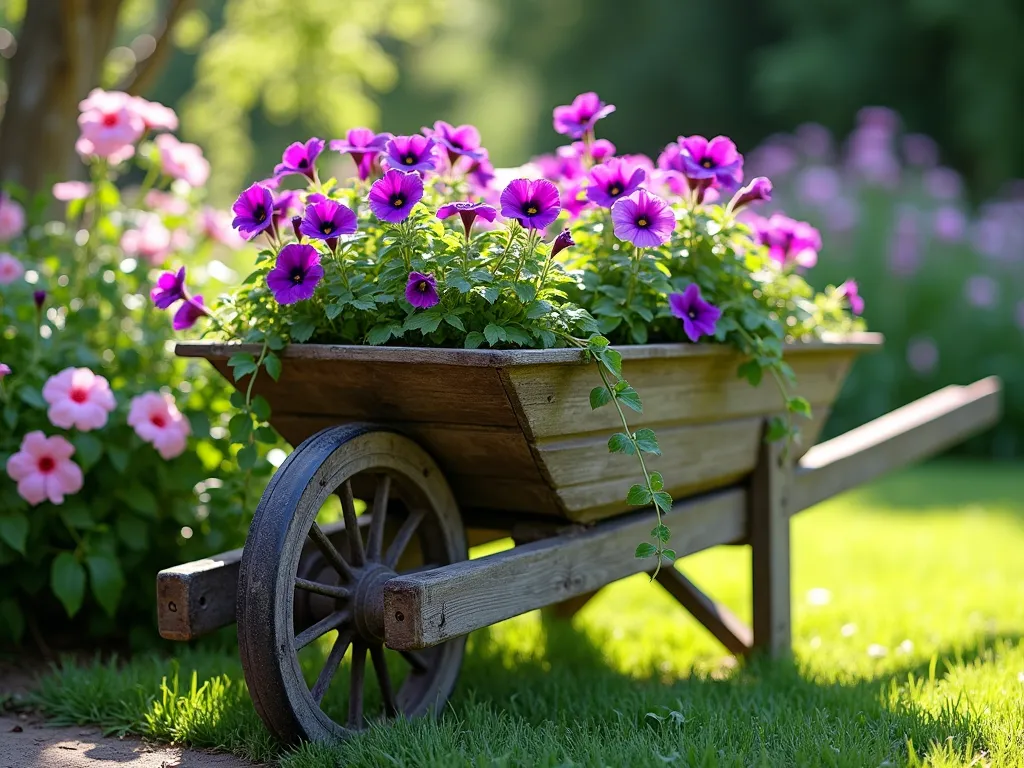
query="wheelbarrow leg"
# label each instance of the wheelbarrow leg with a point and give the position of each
(768, 519)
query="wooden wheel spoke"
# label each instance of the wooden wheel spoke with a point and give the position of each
(321, 628)
(416, 660)
(323, 681)
(331, 554)
(403, 537)
(355, 695)
(355, 538)
(387, 691)
(375, 540)
(328, 590)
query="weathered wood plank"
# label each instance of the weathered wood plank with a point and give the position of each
(904, 436)
(769, 544)
(424, 609)
(716, 618)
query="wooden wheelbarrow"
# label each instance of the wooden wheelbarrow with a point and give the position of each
(443, 449)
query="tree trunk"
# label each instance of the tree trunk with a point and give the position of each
(60, 54)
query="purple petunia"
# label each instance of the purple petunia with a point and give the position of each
(850, 292)
(410, 153)
(365, 146)
(393, 196)
(39, 297)
(563, 241)
(461, 141)
(581, 116)
(300, 158)
(421, 290)
(534, 204)
(789, 242)
(327, 219)
(467, 212)
(758, 190)
(614, 179)
(253, 211)
(600, 150)
(170, 287)
(296, 273)
(698, 316)
(643, 219)
(481, 173)
(716, 160)
(190, 310)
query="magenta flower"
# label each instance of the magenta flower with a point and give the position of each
(701, 160)
(410, 153)
(4, 370)
(421, 290)
(563, 241)
(789, 242)
(288, 201)
(643, 219)
(328, 219)
(461, 141)
(612, 180)
(170, 287)
(10, 269)
(481, 172)
(43, 469)
(581, 116)
(758, 190)
(698, 316)
(393, 196)
(600, 150)
(253, 211)
(534, 204)
(574, 199)
(296, 274)
(12, 218)
(78, 398)
(300, 158)
(467, 212)
(365, 146)
(849, 291)
(188, 313)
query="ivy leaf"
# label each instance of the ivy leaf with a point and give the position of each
(494, 334)
(644, 550)
(668, 554)
(247, 458)
(638, 496)
(88, 450)
(629, 397)
(647, 442)
(242, 364)
(661, 533)
(14, 530)
(751, 371)
(302, 330)
(663, 500)
(106, 581)
(778, 428)
(799, 405)
(261, 408)
(473, 340)
(599, 396)
(67, 580)
(620, 443)
(273, 365)
(240, 427)
(657, 481)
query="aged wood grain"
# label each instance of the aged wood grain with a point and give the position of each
(716, 618)
(424, 609)
(768, 521)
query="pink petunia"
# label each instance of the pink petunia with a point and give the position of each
(10, 269)
(110, 126)
(43, 469)
(4, 370)
(78, 398)
(12, 218)
(157, 420)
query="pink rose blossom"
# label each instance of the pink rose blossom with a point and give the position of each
(12, 218)
(182, 161)
(4, 370)
(10, 269)
(43, 469)
(66, 191)
(151, 241)
(157, 420)
(78, 398)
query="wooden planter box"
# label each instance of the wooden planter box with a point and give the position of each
(513, 430)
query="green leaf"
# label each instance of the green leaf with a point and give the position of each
(266, 435)
(494, 334)
(526, 292)
(663, 500)
(799, 405)
(67, 580)
(77, 515)
(424, 322)
(657, 481)
(668, 554)
(647, 442)
(491, 293)
(379, 334)
(661, 532)
(778, 428)
(629, 397)
(133, 532)
(517, 335)
(620, 443)
(261, 408)
(334, 309)
(242, 364)
(644, 550)
(751, 371)
(455, 322)
(138, 497)
(119, 457)
(32, 397)
(106, 581)
(599, 396)
(240, 427)
(538, 309)
(273, 365)
(11, 619)
(612, 360)
(302, 330)
(597, 343)
(459, 282)
(638, 496)
(14, 530)
(11, 416)
(473, 340)
(247, 457)
(237, 399)
(276, 343)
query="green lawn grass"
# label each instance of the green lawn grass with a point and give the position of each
(908, 606)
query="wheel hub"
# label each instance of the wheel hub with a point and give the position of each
(368, 601)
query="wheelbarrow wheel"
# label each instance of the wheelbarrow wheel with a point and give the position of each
(297, 585)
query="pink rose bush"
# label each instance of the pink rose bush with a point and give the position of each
(114, 461)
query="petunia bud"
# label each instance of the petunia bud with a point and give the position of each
(39, 297)
(563, 241)
(759, 189)
(296, 222)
